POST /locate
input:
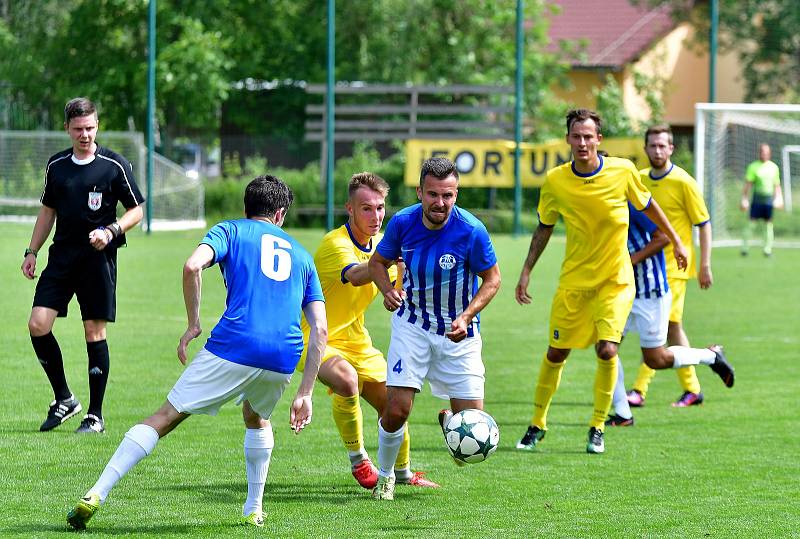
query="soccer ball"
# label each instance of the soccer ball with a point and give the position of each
(471, 435)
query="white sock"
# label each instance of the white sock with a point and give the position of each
(388, 447)
(356, 457)
(620, 402)
(685, 356)
(258, 444)
(138, 442)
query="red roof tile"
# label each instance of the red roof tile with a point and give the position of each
(615, 31)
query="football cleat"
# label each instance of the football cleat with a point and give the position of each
(256, 518)
(384, 490)
(59, 412)
(721, 365)
(595, 444)
(417, 479)
(83, 511)
(619, 421)
(444, 417)
(635, 398)
(366, 474)
(688, 399)
(531, 437)
(91, 424)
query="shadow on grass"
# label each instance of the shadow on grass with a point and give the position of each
(31, 530)
(529, 402)
(278, 492)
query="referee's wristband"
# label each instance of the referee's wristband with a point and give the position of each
(30, 251)
(116, 230)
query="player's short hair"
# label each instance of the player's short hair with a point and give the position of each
(581, 115)
(265, 195)
(438, 167)
(77, 108)
(369, 180)
(657, 130)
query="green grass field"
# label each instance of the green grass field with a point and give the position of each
(727, 469)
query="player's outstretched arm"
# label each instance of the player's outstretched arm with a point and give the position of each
(201, 258)
(777, 199)
(379, 273)
(358, 275)
(490, 284)
(538, 243)
(704, 277)
(656, 214)
(41, 230)
(744, 205)
(657, 242)
(300, 412)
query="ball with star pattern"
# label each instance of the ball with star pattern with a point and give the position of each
(471, 435)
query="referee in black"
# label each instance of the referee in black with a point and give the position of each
(82, 187)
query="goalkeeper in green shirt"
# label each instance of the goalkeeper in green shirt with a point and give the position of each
(763, 178)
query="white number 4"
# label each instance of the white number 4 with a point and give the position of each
(276, 261)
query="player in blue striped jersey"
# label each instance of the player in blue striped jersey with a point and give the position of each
(650, 315)
(436, 328)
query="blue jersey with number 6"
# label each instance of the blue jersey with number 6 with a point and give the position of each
(270, 278)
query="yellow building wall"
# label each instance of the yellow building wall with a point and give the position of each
(684, 69)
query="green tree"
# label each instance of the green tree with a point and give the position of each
(764, 35)
(53, 51)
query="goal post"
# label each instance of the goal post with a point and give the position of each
(727, 140)
(177, 199)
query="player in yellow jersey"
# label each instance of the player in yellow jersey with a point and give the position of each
(351, 367)
(678, 195)
(596, 287)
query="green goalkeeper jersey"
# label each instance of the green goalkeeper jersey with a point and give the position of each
(765, 176)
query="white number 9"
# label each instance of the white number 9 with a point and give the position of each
(276, 261)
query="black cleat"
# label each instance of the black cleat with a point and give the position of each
(721, 365)
(595, 443)
(91, 424)
(59, 412)
(531, 437)
(619, 421)
(444, 417)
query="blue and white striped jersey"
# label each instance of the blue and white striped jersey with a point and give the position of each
(651, 273)
(441, 266)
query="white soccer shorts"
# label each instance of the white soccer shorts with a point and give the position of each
(649, 317)
(210, 381)
(453, 370)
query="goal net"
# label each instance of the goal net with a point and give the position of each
(727, 140)
(177, 201)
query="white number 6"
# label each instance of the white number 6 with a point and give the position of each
(276, 261)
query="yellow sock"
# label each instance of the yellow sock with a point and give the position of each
(349, 421)
(403, 457)
(688, 379)
(604, 380)
(549, 378)
(643, 379)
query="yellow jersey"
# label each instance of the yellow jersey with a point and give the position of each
(595, 211)
(345, 304)
(677, 194)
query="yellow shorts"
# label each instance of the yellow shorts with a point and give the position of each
(368, 361)
(678, 288)
(580, 318)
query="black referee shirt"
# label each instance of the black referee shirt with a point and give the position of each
(85, 196)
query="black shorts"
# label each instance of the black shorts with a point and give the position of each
(761, 211)
(82, 271)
